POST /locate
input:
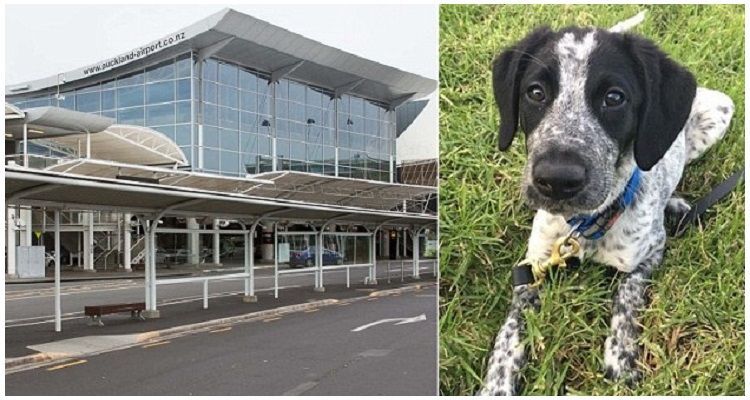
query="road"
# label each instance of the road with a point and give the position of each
(311, 353)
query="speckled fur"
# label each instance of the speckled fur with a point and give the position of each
(635, 244)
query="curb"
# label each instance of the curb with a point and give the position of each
(409, 288)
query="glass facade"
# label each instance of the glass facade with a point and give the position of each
(229, 120)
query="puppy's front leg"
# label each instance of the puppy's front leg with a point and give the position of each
(621, 348)
(509, 355)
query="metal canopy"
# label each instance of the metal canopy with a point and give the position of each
(246, 40)
(25, 186)
(306, 187)
(127, 144)
(13, 112)
(46, 122)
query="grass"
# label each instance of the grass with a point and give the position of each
(694, 326)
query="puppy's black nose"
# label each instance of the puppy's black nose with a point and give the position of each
(559, 176)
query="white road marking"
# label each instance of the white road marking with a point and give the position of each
(398, 321)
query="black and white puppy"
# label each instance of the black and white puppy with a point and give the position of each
(595, 106)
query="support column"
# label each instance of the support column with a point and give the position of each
(373, 278)
(150, 271)
(10, 237)
(217, 243)
(25, 218)
(58, 304)
(146, 263)
(415, 252)
(249, 267)
(319, 260)
(193, 243)
(266, 249)
(275, 260)
(126, 243)
(88, 242)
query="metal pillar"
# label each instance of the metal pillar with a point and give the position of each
(150, 270)
(126, 243)
(276, 260)
(58, 305)
(146, 263)
(249, 267)
(217, 243)
(319, 260)
(25, 145)
(88, 242)
(25, 218)
(10, 236)
(415, 252)
(193, 242)
(373, 279)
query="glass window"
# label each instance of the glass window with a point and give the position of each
(230, 139)
(160, 72)
(210, 136)
(88, 102)
(297, 112)
(168, 131)
(88, 89)
(108, 84)
(248, 101)
(162, 114)
(329, 154)
(211, 159)
(248, 122)
(130, 116)
(282, 148)
(281, 109)
(229, 118)
(314, 97)
(296, 92)
(110, 114)
(210, 69)
(227, 74)
(264, 105)
(264, 145)
(249, 142)
(130, 96)
(183, 111)
(68, 101)
(228, 96)
(182, 66)
(297, 150)
(248, 80)
(230, 162)
(135, 78)
(210, 115)
(160, 92)
(210, 92)
(315, 153)
(282, 129)
(183, 89)
(182, 135)
(108, 100)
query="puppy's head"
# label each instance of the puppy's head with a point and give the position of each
(591, 103)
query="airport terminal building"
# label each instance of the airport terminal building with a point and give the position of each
(229, 133)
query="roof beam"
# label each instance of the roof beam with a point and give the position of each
(30, 192)
(347, 87)
(399, 100)
(284, 71)
(214, 48)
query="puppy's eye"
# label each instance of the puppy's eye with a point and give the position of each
(535, 93)
(614, 98)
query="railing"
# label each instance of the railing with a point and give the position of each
(204, 279)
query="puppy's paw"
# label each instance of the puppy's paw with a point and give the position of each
(619, 361)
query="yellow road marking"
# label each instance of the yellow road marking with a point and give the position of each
(221, 330)
(313, 310)
(271, 319)
(155, 344)
(70, 364)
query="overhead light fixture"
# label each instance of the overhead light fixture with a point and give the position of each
(349, 122)
(9, 135)
(310, 121)
(35, 131)
(265, 123)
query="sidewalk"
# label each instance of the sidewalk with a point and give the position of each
(18, 338)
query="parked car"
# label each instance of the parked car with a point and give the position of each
(306, 258)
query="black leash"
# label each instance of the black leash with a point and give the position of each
(713, 197)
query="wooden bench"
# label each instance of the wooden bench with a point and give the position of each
(96, 312)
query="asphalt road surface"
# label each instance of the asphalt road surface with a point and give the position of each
(311, 353)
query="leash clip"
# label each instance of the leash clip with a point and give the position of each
(563, 250)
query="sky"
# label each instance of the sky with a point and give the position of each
(43, 40)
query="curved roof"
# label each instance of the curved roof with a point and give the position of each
(251, 42)
(127, 144)
(46, 122)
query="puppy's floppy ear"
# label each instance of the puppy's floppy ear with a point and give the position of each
(668, 95)
(507, 70)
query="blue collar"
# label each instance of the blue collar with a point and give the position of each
(595, 226)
